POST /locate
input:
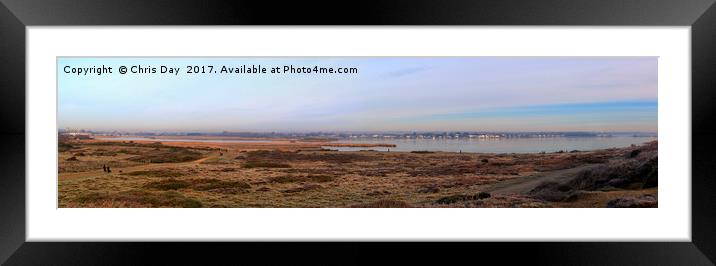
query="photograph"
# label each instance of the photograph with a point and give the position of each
(369, 132)
(357, 132)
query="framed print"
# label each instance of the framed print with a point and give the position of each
(538, 124)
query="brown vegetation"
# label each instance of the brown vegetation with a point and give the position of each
(384, 204)
(153, 174)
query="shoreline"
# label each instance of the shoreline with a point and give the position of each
(316, 144)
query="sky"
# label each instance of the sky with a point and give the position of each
(605, 94)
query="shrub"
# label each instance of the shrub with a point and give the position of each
(552, 191)
(138, 198)
(460, 197)
(384, 204)
(286, 179)
(321, 178)
(167, 184)
(302, 188)
(216, 184)
(629, 173)
(646, 201)
(634, 153)
(65, 147)
(297, 178)
(155, 173)
(429, 189)
(266, 165)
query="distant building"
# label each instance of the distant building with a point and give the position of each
(77, 135)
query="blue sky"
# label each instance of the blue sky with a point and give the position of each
(388, 94)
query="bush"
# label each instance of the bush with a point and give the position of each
(65, 147)
(155, 173)
(384, 204)
(266, 165)
(298, 178)
(321, 178)
(302, 188)
(429, 189)
(216, 184)
(286, 179)
(634, 153)
(457, 198)
(646, 201)
(627, 174)
(138, 198)
(552, 191)
(168, 184)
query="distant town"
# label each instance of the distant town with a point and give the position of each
(89, 134)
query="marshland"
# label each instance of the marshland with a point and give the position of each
(287, 174)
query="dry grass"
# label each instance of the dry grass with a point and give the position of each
(155, 173)
(136, 198)
(296, 156)
(240, 177)
(302, 188)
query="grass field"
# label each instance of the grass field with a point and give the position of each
(283, 174)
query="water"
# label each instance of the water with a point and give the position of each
(504, 145)
(185, 140)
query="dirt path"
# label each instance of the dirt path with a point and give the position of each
(525, 184)
(143, 167)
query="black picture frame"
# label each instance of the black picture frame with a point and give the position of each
(16, 15)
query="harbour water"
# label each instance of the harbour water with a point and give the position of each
(493, 145)
(502, 145)
(182, 140)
